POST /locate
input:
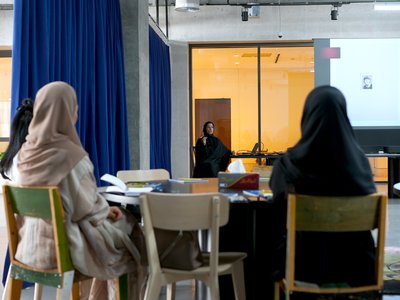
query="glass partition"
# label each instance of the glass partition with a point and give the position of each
(5, 97)
(287, 76)
(253, 93)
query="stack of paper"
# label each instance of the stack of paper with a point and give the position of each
(120, 187)
(258, 193)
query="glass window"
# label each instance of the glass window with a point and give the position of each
(5, 97)
(287, 76)
(252, 93)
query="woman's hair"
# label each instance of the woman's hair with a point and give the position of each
(205, 127)
(19, 130)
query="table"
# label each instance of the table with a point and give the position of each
(393, 170)
(396, 189)
(269, 157)
(250, 225)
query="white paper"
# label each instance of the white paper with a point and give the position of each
(115, 181)
(120, 187)
(237, 167)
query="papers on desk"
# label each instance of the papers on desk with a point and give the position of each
(189, 180)
(118, 186)
(258, 193)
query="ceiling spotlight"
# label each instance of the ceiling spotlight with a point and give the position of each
(245, 13)
(187, 5)
(334, 12)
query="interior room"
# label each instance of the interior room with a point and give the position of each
(256, 60)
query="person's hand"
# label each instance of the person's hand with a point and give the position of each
(204, 140)
(114, 213)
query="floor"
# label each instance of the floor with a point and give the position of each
(186, 290)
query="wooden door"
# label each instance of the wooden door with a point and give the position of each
(217, 111)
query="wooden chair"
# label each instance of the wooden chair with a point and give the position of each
(189, 212)
(333, 214)
(45, 203)
(143, 175)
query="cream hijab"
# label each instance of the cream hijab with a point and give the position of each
(52, 146)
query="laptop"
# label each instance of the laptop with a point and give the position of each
(255, 148)
(252, 152)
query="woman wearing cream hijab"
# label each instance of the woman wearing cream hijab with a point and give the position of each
(100, 237)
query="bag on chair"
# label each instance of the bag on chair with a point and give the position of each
(178, 249)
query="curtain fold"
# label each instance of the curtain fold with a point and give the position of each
(160, 103)
(79, 42)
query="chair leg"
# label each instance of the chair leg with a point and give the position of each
(65, 292)
(153, 288)
(121, 284)
(238, 281)
(12, 289)
(38, 291)
(75, 294)
(276, 291)
(171, 291)
(214, 288)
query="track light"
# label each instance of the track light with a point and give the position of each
(334, 12)
(245, 13)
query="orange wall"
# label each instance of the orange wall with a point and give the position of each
(281, 108)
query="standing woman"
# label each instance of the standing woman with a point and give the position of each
(212, 155)
(99, 235)
(327, 161)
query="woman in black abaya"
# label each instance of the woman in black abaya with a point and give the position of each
(211, 154)
(326, 161)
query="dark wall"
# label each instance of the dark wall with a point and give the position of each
(373, 140)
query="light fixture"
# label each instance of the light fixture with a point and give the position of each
(187, 5)
(334, 12)
(387, 6)
(245, 13)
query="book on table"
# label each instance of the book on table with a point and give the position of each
(118, 186)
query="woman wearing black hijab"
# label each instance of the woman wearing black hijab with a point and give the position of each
(327, 161)
(211, 154)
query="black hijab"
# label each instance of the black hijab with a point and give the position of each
(205, 133)
(327, 160)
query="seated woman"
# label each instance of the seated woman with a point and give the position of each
(105, 242)
(8, 163)
(211, 154)
(327, 161)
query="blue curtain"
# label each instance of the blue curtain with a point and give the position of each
(160, 103)
(79, 42)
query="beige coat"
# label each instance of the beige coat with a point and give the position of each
(99, 247)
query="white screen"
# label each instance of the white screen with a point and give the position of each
(378, 62)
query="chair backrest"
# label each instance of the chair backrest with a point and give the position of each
(336, 214)
(143, 175)
(183, 212)
(44, 203)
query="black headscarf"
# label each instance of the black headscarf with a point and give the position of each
(205, 133)
(327, 159)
